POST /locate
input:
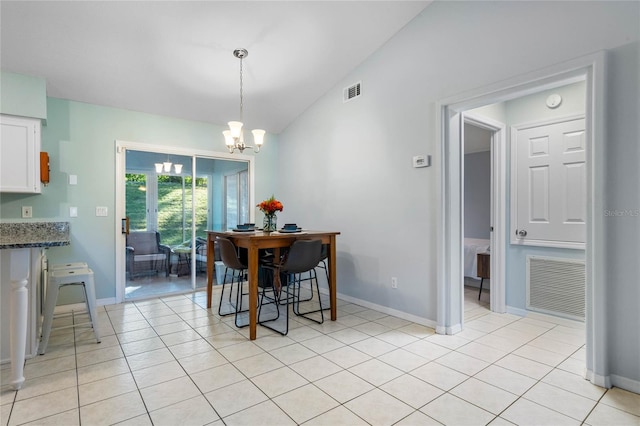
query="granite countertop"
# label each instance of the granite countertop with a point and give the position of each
(34, 234)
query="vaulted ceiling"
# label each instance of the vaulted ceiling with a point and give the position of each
(175, 58)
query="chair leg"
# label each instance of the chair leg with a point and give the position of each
(50, 306)
(273, 301)
(277, 301)
(296, 303)
(224, 284)
(238, 302)
(326, 272)
(239, 295)
(90, 297)
(480, 292)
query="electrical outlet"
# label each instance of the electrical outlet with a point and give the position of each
(394, 282)
(27, 212)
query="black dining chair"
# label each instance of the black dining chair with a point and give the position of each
(236, 261)
(324, 255)
(301, 259)
(231, 260)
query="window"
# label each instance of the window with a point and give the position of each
(236, 199)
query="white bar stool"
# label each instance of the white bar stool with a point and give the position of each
(60, 277)
(73, 265)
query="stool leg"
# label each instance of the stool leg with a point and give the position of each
(90, 290)
(50, 306)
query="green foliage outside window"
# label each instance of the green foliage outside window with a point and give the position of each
(174, 215)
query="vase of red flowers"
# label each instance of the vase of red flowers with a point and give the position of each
(270, 222)
(269, 207)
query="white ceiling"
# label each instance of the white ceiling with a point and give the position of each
(176, 58)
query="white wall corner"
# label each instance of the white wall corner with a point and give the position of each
(455, 329)
(598, 380)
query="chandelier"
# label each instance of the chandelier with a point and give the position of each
(166, 167)
(234, 137)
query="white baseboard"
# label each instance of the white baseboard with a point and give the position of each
(517, 311)
(107, 301)
(386, 310)
(625, 383)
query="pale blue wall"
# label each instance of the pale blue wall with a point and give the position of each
(622, 249)
(80, 139)
(23, 95)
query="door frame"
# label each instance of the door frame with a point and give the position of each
(590, 68)
(121, 147)
(498, 204)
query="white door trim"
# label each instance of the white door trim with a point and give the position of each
(591, 68)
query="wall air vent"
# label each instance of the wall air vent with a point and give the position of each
(556, 286)
(351, 92)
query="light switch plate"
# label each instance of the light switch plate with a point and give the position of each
(73, 179)
(73, 212)
(101, 211)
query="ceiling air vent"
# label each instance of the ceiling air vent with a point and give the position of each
(351, 92)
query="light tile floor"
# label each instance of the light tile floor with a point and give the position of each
(169, 361)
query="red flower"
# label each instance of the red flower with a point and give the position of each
(270, 206)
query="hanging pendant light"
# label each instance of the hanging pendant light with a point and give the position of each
(165, 167)
(234, 137)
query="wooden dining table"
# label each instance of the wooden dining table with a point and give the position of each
(257, 240)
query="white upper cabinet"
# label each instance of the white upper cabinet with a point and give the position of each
(20, 154)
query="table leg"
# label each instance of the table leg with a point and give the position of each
(253, 291)
(210, 254)
(332, 277)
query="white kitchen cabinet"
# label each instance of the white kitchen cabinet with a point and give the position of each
(20, 154)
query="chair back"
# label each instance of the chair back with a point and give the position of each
(303, 256)
(144, 242)
(229, 254)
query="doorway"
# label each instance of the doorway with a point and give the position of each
(483, 150)
(451, 229)
(167, 200)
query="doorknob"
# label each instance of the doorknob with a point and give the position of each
(522, 233)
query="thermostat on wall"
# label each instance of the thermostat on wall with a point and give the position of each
(421, 161)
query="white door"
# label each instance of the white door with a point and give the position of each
(549, 166)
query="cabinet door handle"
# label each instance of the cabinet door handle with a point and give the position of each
(522, 233)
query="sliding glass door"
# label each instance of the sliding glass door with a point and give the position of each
(170, 204)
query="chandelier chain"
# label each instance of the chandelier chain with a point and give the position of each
(241, 97)
(234, 136)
